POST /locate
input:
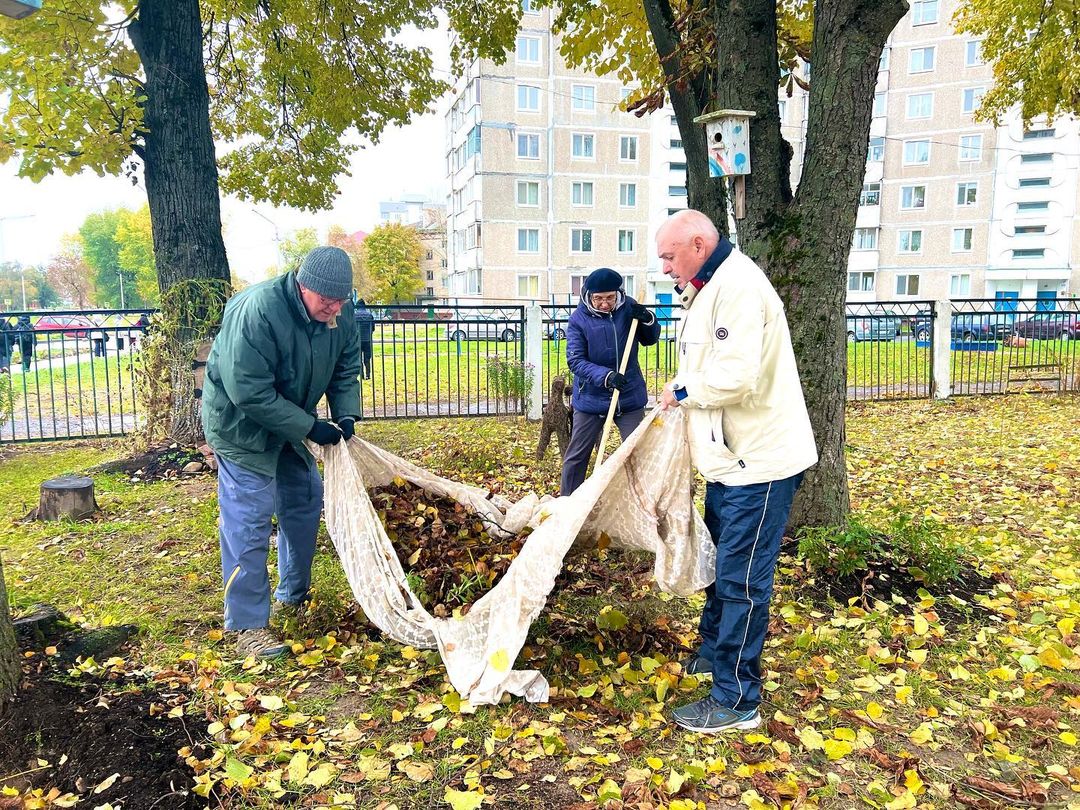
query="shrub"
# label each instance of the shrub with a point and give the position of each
(509, 380)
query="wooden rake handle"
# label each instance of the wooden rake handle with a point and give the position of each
(615, 396)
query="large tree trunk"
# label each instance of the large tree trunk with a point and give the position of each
(801, 241)
(10, 671)
(181, 188)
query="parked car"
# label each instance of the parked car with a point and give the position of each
(555, 331)
(1050, 326)
(77, 326)
(970, 327)
(482, 329)
(883, 325)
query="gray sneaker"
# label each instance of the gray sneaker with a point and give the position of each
(259, 642)
(710, 716)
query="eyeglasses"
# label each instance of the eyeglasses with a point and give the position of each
(326, 302)
(605, 298)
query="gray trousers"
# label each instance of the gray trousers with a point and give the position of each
(585, 436)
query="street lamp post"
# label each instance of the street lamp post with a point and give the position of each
(277, 237)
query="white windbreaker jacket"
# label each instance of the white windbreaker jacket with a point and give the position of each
(746, 415)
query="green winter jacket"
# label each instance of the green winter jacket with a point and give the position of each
(269, 367)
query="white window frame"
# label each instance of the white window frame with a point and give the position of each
(909, 205)
(966, 187)
(924, 51)
(976, 95)
(632, 234)
(527, 8)
(875, 148)
(860, 277)
(518, 142)
(912, 142)
(526, 277)
(628, 141)
(907, 283)
(589, 137)
(917, 11)
(626, 192)
(528, 41)
(858, 245)
(629, 284)
(580, 100)
(969, 61)
(867, 190)
(970, 240)
(911, 239)
(968, 153)
(960, 285)
(881, 104)
(578, 189)
(928, 113)
(526, 250)
(578, 281)
(526, 184)
(517, 97)
(580, 233)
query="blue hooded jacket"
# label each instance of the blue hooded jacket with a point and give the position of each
(594, 344)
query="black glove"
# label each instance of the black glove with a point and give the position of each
(617, 380)
(324, 433)
(347, 425)
(640, 312)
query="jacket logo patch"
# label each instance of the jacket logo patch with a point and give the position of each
(721, 333)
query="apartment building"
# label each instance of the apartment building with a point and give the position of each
(548, 178)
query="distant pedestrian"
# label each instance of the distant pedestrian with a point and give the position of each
(365, 327)
(6, 339)
(27, 340)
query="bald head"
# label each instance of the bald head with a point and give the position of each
(684, 243)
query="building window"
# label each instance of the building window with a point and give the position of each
(429, 257)
(970, 147)
(920, 105)
(907, 284)
(581, 194)
(576, 284)
(528, 193)
(626, 241)
(627, 195)
(916, 153)
(528, 50)
(973, 53)
(581, 240)
(909, 242)
(430, 275)
(528, 145)
(960, 285)
(625, 93)
(921, 60)
(628, 285)
(972, 98)
(883, 60)
(528, 286)
(675, 143)
(1035, 182)
(967, 193)
(961, 240)
(871, 194)
(472, 142)
(528, 98)
(1027, 230)
(677, 167)
(529, 7)
(583, 97)
(528, 240)
(1036, 134)
(924, 12)
(880, 102)
(582, 145)
(676, 191)
(431, 292)
(1037, 157)
(782, 108)
(628, 147)
(875, 150)
(862, 281)
(912, 197)
(1029, 253)
(1028, 207)
(865, 239)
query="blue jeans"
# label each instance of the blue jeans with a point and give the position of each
(747, 525)
(247, 501)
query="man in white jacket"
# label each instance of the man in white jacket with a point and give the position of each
(750, 438)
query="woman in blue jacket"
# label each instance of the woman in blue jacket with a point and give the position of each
(595, 339)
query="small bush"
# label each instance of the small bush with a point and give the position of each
(509, 380)
(922, 546)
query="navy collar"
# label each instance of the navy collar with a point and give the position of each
(716, 258)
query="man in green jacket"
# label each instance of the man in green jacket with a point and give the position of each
(283, 345)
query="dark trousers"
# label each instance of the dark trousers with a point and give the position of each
(584, 437)
(747, 525)
(365, 357)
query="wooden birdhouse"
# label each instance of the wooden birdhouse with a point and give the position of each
(19, 8)
(727, 138)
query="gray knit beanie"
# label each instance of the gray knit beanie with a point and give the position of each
(327, 271)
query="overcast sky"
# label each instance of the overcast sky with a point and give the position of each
(409, 160)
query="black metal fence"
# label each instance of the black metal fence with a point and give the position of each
(74, 374)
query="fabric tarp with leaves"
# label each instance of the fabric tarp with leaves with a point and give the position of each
(641, 498)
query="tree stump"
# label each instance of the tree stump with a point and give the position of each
(69, 496)
(10, 671)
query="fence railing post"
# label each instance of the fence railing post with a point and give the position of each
(534, 359)
(942, 360)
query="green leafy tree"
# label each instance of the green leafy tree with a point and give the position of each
(339, 237)
(392, 256)
(722, 54)
(116, 245)
(295, 247)
(135, 256)
(1034, 47)
(15, 280)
